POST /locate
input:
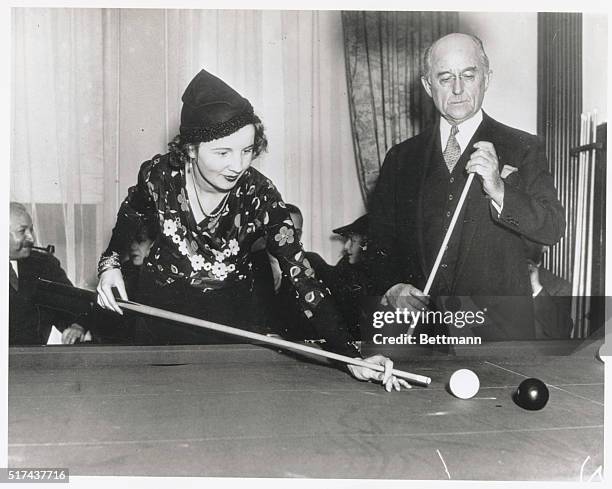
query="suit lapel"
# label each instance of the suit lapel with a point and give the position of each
(477, 204)
(26, 276)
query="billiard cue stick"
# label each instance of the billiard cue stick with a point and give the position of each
(448, 234)
(202, 323)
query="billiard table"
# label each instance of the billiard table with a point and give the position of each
(253, 411)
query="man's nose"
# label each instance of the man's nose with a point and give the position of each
(235, 163)
(457, 86)
(29, 236)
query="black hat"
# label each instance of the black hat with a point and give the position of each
(359, 226)
(212, 109)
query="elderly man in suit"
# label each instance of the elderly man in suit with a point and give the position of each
(30, 324)
(512, 198)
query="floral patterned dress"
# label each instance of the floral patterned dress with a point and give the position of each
(213, 256)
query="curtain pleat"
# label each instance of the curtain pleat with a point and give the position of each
(387, 103)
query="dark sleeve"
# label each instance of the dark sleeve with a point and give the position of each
(60, 317)
(136, 211)
(323, 270)
(381, 256)
(312, 296)
(552, 315)
(531, 207)
(55, 273)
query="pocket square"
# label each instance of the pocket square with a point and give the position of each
(507, 170)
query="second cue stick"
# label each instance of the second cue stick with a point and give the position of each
(448, 234)
(202, 323)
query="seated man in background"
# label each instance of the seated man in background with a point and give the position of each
(552, 298)
(29, 323)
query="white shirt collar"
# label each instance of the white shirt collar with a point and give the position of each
(15, 267)
(466, 130)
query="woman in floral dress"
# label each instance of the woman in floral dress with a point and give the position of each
(210, 206)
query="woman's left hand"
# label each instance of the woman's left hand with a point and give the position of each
(386, 378)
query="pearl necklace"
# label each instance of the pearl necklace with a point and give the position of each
(195, 190)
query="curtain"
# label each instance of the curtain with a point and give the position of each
(98, 91)
(387, 102)
(57, 128)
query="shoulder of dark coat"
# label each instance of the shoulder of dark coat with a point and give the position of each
(42, 260)
(414, 143)
(512, 136)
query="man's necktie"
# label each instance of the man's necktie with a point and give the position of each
(453, 150)
(13, 279)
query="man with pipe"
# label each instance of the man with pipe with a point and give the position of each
(512, 198)
(30, 324)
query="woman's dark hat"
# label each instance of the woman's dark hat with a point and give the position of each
(212, 109)
(359, 226)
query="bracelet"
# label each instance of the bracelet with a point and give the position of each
(108, 262)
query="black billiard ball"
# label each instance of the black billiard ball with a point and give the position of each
(531, 394)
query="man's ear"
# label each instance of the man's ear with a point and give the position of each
(426, 85)
(488, 79)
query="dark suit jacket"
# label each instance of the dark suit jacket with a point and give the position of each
(491, 262)
(553, 307)
(30, 324)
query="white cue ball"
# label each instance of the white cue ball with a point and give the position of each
(464, 383)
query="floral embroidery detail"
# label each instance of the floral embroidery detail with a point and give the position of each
(182, 200)
(309, 272)
(219, 255)
(233, 247)
(169, 227)
(197, 262)
(207, 267)
(184, 248)
(285, 235)
(176, 239)
(219, 270)
(231, 267)
(212, 225)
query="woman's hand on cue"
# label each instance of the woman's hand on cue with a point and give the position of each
(386, 378)
(109, 279)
